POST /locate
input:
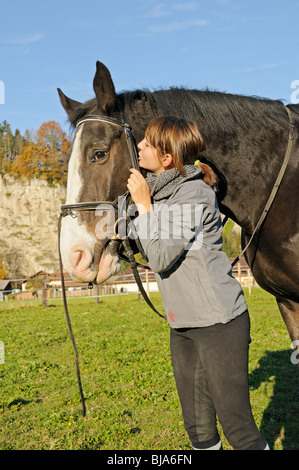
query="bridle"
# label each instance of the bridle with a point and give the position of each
(122, 215)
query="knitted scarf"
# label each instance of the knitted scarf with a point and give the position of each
(164, 184)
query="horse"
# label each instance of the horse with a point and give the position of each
(246, 140)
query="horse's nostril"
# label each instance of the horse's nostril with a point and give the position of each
(76, 258)
(81, 258)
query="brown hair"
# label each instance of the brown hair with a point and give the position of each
(181, 139)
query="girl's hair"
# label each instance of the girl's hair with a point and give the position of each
(181, 139)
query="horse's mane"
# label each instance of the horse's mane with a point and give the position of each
(223, 112)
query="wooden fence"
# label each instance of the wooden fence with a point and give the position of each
(50, 285)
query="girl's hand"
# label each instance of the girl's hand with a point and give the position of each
(139, 191)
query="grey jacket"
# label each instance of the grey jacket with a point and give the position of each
(182, 239)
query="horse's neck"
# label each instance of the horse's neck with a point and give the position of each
(249, 161)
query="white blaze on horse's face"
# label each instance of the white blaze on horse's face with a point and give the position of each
(78, 245)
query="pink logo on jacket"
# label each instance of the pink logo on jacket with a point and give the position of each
(171, 316)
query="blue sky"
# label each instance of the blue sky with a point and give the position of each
(248, 47)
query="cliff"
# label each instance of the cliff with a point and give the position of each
(29, 214)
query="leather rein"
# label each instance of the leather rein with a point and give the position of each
(71, 209)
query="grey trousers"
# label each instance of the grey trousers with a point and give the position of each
(211, 371)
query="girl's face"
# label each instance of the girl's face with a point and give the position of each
(148, 157)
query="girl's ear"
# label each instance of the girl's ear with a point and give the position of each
(167, 161)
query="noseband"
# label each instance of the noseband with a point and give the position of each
(71, 209)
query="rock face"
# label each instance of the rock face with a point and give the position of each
(29, 214)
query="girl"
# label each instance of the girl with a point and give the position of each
(180, 229)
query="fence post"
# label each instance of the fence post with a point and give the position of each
(239, 271)
(45, 291)
(96, 293)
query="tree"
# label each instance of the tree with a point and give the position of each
(11, 145)
(6, 147)
(53, 146)
(40, 155)
(231, 239)
(24, 165)
(3, 270)
(19, 142)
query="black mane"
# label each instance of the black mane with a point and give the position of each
(223, 112)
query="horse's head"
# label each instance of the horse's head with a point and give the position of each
(98, 169)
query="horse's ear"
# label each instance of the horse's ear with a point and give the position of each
(68, 104)
(104, 88)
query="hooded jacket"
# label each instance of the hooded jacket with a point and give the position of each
(182, 239)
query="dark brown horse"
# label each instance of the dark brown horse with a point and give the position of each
(247, 140)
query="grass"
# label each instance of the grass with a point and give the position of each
(127, 377)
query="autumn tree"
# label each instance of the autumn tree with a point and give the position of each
(3, 270)
(24, 165)
(11, 145)
(52, 145)
(43, 154)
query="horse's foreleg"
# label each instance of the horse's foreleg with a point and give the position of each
(290, 313)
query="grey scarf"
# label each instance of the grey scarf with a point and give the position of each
(164, 184)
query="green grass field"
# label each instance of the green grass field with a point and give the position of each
(127, 377)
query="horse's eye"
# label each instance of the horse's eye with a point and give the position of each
(98, 156)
